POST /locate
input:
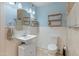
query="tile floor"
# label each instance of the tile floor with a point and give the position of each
(45, 52)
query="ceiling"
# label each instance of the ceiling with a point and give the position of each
(39, 4)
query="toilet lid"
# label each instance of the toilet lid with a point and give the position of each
(52, 47)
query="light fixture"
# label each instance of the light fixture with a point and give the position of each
(30, 10)
(27, 10)
(33, 12)
(19, 5)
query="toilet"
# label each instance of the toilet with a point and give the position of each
(52, 49)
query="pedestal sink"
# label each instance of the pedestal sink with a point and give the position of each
(24, 38)
(27, 46)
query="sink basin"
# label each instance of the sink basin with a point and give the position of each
(24, 38)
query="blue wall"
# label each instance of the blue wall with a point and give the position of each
(29, 5)
(11, 11)
(10, 14)
(42, 12)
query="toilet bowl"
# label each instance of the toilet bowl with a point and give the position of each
(52, 50)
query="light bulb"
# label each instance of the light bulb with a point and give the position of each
(27, 10)
(19, 5)
(33, 12)
(30, 10)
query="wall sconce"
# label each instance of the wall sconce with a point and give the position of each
(30, 10)
(19, 5)
(33, 12)
(27, 10)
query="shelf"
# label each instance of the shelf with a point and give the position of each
(55, 20)
(54, 14)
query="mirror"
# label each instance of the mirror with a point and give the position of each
(24, 15)
(22, 19)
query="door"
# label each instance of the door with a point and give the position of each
(77, 14)
(72, 16)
